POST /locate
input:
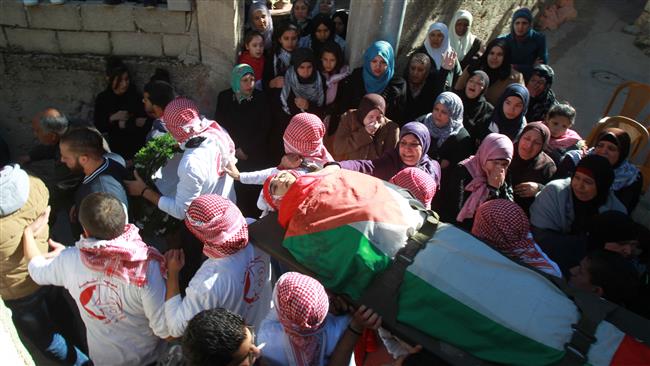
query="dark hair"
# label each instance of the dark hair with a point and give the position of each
(249, 37)
(333, 48)
(563, 109)
(102, 215)
(343, 14)
(84, 141)
(279, 31)
(503, 72)
(212, 336)
(160, 93)
(611, 272)
(114, 69)
(160, 75)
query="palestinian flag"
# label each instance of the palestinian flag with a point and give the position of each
(346, 226)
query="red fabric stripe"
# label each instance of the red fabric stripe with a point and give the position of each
(631, 353)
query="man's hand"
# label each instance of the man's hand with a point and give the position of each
(290, 161)
(175, 261)
(365, 318)
(135, 187)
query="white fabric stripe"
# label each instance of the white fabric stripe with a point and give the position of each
(97, 172)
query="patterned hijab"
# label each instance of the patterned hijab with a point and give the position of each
(373, 83)
(310, 88)
(454, 106)
(302, 305)
(238, 72)
(304, 136)
(461, 44)
(504, 226)
(436, 53)
(218, 224)
(421, 185)
(625, 173)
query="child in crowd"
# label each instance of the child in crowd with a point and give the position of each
(304, 89)
(421, 185)
(115, 279)
(253, 54)
(560, 119)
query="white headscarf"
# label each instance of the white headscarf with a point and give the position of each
(14, 189)
(436, 53)
(461, 44)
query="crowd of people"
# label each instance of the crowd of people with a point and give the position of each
(472, 129)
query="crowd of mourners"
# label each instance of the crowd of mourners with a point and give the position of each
(471, 128)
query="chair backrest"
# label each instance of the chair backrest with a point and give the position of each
(638, 133)
(645, 172)
(638, 97)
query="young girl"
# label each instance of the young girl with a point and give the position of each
(303, 89)
(278, 61)
(323, 30)
(333, 70)
(559, 120)
(253, 55)
(509, 115)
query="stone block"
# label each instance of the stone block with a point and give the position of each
(12, 13)
(36, 40)
(175, 45)
(51, 16)
(84, 42)
(159, 20)
(136, 44)
(100, 17)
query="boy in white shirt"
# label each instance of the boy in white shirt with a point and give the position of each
(115, 279)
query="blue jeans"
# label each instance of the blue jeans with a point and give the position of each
(33, 321)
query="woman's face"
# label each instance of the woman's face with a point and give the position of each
(474, 87)
(339, 26)
(328, 61)
(410, 150)
(300, 10)
(521, 26)
(280, 184)
(584, 187)
(530, 144)
(512, 107)
(608, 150)
(440, 115)
(259, 20)
(121, 84)
(326, 6)
(256, 47)
(288, 40)
(374, 117)
(305, 70)
(496, 168)
(322, 32)
(417, 73)
(558, 125)
(435, 39)
(536, 85)
(495, 57)
(461, 27)
(378, 66)
(247, 84)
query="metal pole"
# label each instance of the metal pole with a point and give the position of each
(392, 21)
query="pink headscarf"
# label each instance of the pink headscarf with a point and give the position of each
(565, 141)
(418, 182)
(504, 225)
(302, 305)
(219, 225)
(126, 257)
(184, 122)
(495, 146)
(304, 136)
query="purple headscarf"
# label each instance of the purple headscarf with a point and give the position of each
(421, 132)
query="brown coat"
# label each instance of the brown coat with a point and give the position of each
(352, 142)
(497, 88)
(14, 278)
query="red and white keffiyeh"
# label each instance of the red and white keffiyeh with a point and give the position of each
(273, 200)
(304, 136)
(183, 121)
(302, 305)
(418, 182)
(126, 257)
(505, 226)
(219, 225)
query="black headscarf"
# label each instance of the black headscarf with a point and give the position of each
(599, 169)
(511, 127)
(300, 56)
(501, 73)
(539, 105)
(618, 137)
(343, 14)
(319, 19)
(611, 227)
(477, 111)
(333, 48)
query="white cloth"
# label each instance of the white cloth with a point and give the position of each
(124, 323)
(461, 44)
(14, 189)
(273, 341)
(197, 174)
(240, 283)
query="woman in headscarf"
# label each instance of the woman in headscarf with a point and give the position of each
(495, 62)
(528, 46)
(542, 97)
(414, 142)
(285, 41)
(244, 112)
(461, 39)
(259, 19)
(340, 19)
(531, 168)
(322, 31)
(508, 117)
(445, 68)
(419, 91)
(477, 179)
(450, 142)
(300, 16)
(333, 69)
(365, 133)
(562, 213)
(323, 7)
(476, 109)
(505, 227)
(303, 89)
(377, 75)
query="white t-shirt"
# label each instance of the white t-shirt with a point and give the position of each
(124, 323)
(240, 283)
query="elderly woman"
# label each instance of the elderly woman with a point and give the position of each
(259, 19)
(495, 62)
(365, 133)
(531, 168)
(445, 68)
(476, 109)
(467, 45)
(562, 213)
(542, 97)
(450, 141)
(508, 117)
(419, 90)
(477, 179)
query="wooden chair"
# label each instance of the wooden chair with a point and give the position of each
(638, 97)
(638, 133)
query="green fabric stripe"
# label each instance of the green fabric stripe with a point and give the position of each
(348, 268)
